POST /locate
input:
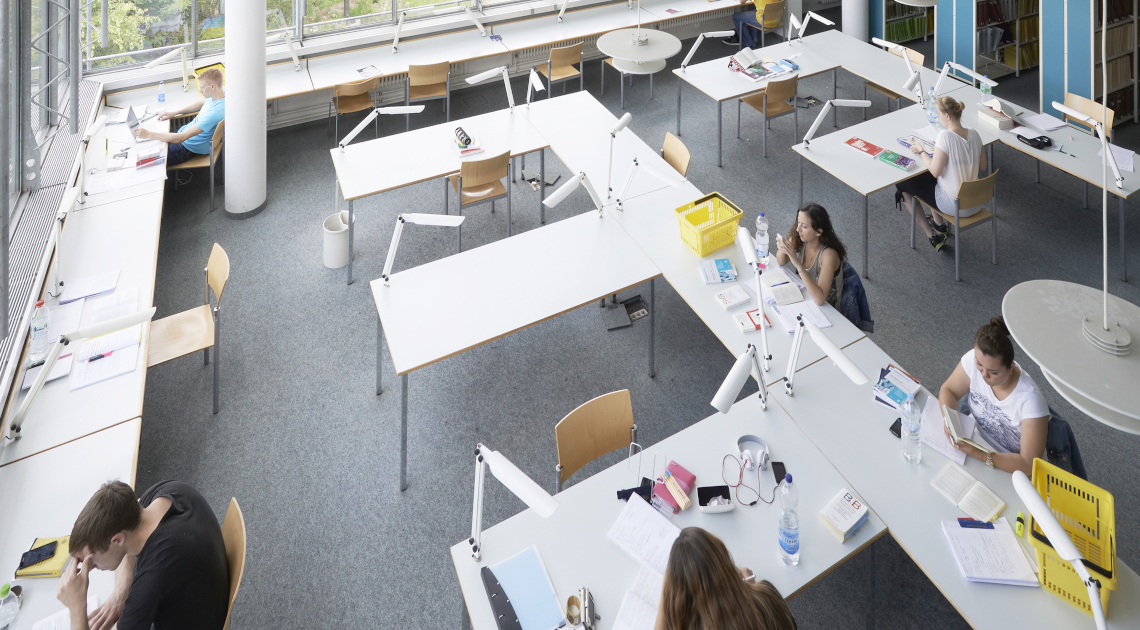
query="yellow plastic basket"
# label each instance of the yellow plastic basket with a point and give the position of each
(1087, 514)
(709, 223)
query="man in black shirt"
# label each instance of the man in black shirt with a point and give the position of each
(168, 555)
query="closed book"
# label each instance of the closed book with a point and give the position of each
(844, 514)
(864, 147)
(732, 297)
(842, 536)
(752, 321)
(717, 271)
(53, 566)
(896, 160)
(994, 120)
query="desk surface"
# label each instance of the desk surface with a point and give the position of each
(870, 62)
(374, 166)
(575, 25)
(851, 431)
(541, 273)
(721, 84)
(576, 552)
(47, 492)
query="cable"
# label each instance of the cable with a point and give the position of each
(740, 482)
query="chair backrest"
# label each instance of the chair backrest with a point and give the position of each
(217, 273)
(359, 87)
(565, 56)
(774, 10)
(431, 74)
(978, 192)
(485, 171)
(233, 534)
(1089, 108)
(781, 89)
(593, 429)
(916, 57)
(676, 154)
(219, 136)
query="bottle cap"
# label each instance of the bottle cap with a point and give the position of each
(39, 304)
(761, 213)
(4, 590)
(788, 477)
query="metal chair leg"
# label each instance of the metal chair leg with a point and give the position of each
(957, 247)
(512, 169)
(217, 358)
(651, 87)
(622, 81)
(993, 231)
(865, 98)
(913, 220)
(737, 119)
(211, 176)
(603, 73)
(764, 127)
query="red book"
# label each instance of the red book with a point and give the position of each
(864, 147)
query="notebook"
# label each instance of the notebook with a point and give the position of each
(969, 494)
(53, 566)
(989, 554)
(644, 533)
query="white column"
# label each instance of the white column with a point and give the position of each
(856, 19)
(245, 107)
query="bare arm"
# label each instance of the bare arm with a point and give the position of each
(107, 614)
(982, 161)
(955, 387)
(192, 107)
(171, 138)
(1033, 433)
(937, 164)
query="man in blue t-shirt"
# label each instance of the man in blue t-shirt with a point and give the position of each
(194, 138)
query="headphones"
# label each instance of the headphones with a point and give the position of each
(756, 456)
(1040, 142)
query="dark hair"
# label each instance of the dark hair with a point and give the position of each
(819, 221)
(112, 509)
(703, 589)
(993, 340)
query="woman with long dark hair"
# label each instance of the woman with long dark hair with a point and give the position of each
(816, 252)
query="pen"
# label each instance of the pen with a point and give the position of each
(100, 356)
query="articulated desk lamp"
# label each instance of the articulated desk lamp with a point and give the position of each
(95, 128)
(391, 111)
(835, 102)
(622, 123)
(94, 330)
(483, 76)
(534, 84)
(633, 172)
(697, 44)
(914, 79)
(288, 37)
(834, 352)
(65, 207)
(181, 50)
(564, 191)
(748, 247)
(399, 27)
(444, 220)
(960, 68)
(747, 363)
(801, 28)
(475, 20)
(562, 11)
(515, 480)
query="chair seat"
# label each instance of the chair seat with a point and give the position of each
(982, 215)
(354, 103)
(775, 108)
(435, 90)
(560, 73)
(478, 194)
(199, 161)
(882, 90)
(180, 335)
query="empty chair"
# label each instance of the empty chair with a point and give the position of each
(772, 11)
(560, 67)
(205, 161)
(195, 329)
(480, 181)
(676, 154)
(916, 58)
(970, 195)
(428, 83)
(595, 428)
(233, 535)
(1093, 110)
(352, 97)
(778, 99)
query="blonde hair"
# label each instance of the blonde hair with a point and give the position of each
(951, 107)
(213, 75)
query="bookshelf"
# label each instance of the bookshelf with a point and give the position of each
(902, 23)
(1007, 37)
(1121, 56)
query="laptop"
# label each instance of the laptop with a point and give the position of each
(134, 125)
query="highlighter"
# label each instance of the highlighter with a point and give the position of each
(1020, 524)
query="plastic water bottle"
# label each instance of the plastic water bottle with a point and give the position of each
(932, 110)
(789, 522)
(762, 239)
(41, 319)
(161, 99)
(911, 430)
(9, 605)
(986, 89)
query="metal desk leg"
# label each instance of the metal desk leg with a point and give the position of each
(541, 186)
(652, 327)
(866, 248)
(719, 112)
(679, 82)
(1123, 251)
(801, 182)
(834, 94)
(379, 354)
(1037, 176)
(511, 166)
(403, 433)
(351, 224)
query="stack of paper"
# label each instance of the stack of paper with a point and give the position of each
(639, 606)
(1125, 158)
(644, 533)
(1044, 122)
(933, 433)
(989, 553)
(893, 387)
(62, 619)
(87, 287)
(64, 319)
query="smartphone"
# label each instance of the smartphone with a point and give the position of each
(896, 428)
(37, 555)
(778, 471)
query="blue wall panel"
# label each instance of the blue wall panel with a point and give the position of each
(1052, 53)
(966, 34)
(1080, 47)
(943, 33)
(876, 18)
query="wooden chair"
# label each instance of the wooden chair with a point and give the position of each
(1094, 110)
(428, 83)
(233, 535)
(676, 154)
(195, 329)
(777, 99)
(624, 75)
(480, 181)
(595, 428)
(916, 58)
(772, 11)
(352, 97)
(205, 161)
(970, 195)
(560, 67)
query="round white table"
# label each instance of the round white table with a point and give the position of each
(1045, 317)
(654, 46)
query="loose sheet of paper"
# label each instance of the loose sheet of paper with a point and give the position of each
(122, 361)
(807, 308)
(1125, 159)
(62, 619)
(89, 286)
(989, 555)
(121, 302)
(635, 614)
(1045, 122)
(65, 319)
(644, 533)
(928, 133)
(933, 432)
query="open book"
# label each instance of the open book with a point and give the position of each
(646, 535)
(969, 494)
(755, 68)
(781, 287)
(954, 425)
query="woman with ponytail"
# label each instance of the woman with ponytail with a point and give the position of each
(1011, 414)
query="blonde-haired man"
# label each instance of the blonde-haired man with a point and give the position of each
(194, 137)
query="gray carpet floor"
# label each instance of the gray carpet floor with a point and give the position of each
(312, 453)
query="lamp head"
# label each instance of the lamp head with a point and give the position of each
(914, 80)
(400, 109)
(836, 354)
(444, 220)
(167, 57)
(68, 202)
(713, 34)
(726, 396)
(518, 482)
(483, 76)
(622, 123)
(562, 192)
(1074, 114)
(747, 245)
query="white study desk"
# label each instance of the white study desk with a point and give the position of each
(119, 138)
(375, 166)
(851, 431)
(576, 552)
(568, 264)
(721, 84)
(576, 24)
(281, 80)
(43, 495)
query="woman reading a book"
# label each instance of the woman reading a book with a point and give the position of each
(1011, 414)
(813, 239)
(958, 157)
(703, 589)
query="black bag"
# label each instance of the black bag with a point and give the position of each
(1040, 142)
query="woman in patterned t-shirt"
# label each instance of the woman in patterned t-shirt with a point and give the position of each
(1011, 414)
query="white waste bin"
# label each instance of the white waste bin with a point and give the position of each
(336, 242)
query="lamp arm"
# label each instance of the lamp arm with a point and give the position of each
(562, 11)
(760, 375)
(1093, 586)
(364, 123)
(818, 121)
(767, 356)
(610, 168)
(391, 258)
(1107, 148)
(793, 358)
(593, 193)
(507, 85)
(941, 78)
(628, 184)
(478, 24)
(185, 72)
(399, 27)
(477, 506)
(37, 385)
(692, 51)
(292, 52)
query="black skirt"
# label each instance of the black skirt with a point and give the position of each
(921, 186)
